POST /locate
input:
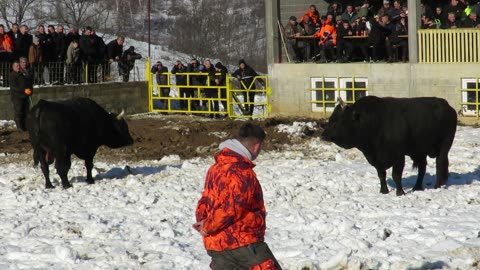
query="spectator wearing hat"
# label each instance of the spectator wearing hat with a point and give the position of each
(293, 30)
(246, 75)
(128, 62)
(339, 21)
(161, 76)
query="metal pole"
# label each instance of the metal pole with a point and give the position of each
(148, 10)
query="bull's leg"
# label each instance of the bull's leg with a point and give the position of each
(36, 158)
(442, 169)
(89, 166)
(40, 153)
(442, 161)
(63, 166)
(422, 167)
(397, 171)
(382, 174)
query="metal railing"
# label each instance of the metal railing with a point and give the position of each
(327, 96)
(59, 73)
(233, 99)
(449, 45)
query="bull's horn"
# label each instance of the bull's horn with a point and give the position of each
(340, 101)
(121, 115)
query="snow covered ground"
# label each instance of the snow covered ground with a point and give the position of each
(324, 212)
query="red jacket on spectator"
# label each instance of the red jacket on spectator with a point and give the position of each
(314, 17)
(6, 44)
(327, 32)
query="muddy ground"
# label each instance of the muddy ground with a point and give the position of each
(156, 136)
(187, 136)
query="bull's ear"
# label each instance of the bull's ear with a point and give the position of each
(121, 115)
(341, 103)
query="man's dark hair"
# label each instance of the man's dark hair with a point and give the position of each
(249, 130)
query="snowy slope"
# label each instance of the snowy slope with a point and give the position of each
(324, 212)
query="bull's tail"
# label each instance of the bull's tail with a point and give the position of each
(33, 121)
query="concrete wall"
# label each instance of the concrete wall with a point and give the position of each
(131, 96)
(290, 82)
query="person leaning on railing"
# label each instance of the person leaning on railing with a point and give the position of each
(220, 80)
(308, 29)
(161, 77)
(210, 81)
(246, 75)
(128, 62)
(181, 80)
(293, 30)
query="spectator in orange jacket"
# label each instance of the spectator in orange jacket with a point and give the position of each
(327, 37)
(313, 14)
(231, 213)
(6, 51)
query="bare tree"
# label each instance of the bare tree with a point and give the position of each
(227, 30)
(81, 13)
(14, 11)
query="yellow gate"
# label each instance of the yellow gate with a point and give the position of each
(233, 100)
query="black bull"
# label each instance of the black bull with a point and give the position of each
(387, 129)
(76, 126)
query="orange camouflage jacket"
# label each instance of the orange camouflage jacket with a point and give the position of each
(327, 32)
(231, 203)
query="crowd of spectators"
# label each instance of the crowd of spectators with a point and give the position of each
(58, 57)
(196, 80)
(361, 31)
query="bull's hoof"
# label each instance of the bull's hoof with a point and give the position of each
(67, 186)
(400, 192)
(49, 186)
(90, 182)
(384, 191)
(415, 188)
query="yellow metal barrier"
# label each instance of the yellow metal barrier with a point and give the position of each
(355, 92)
(232, 99)
(472, 102)
(449, 45)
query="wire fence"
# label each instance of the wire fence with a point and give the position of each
(61, 73)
